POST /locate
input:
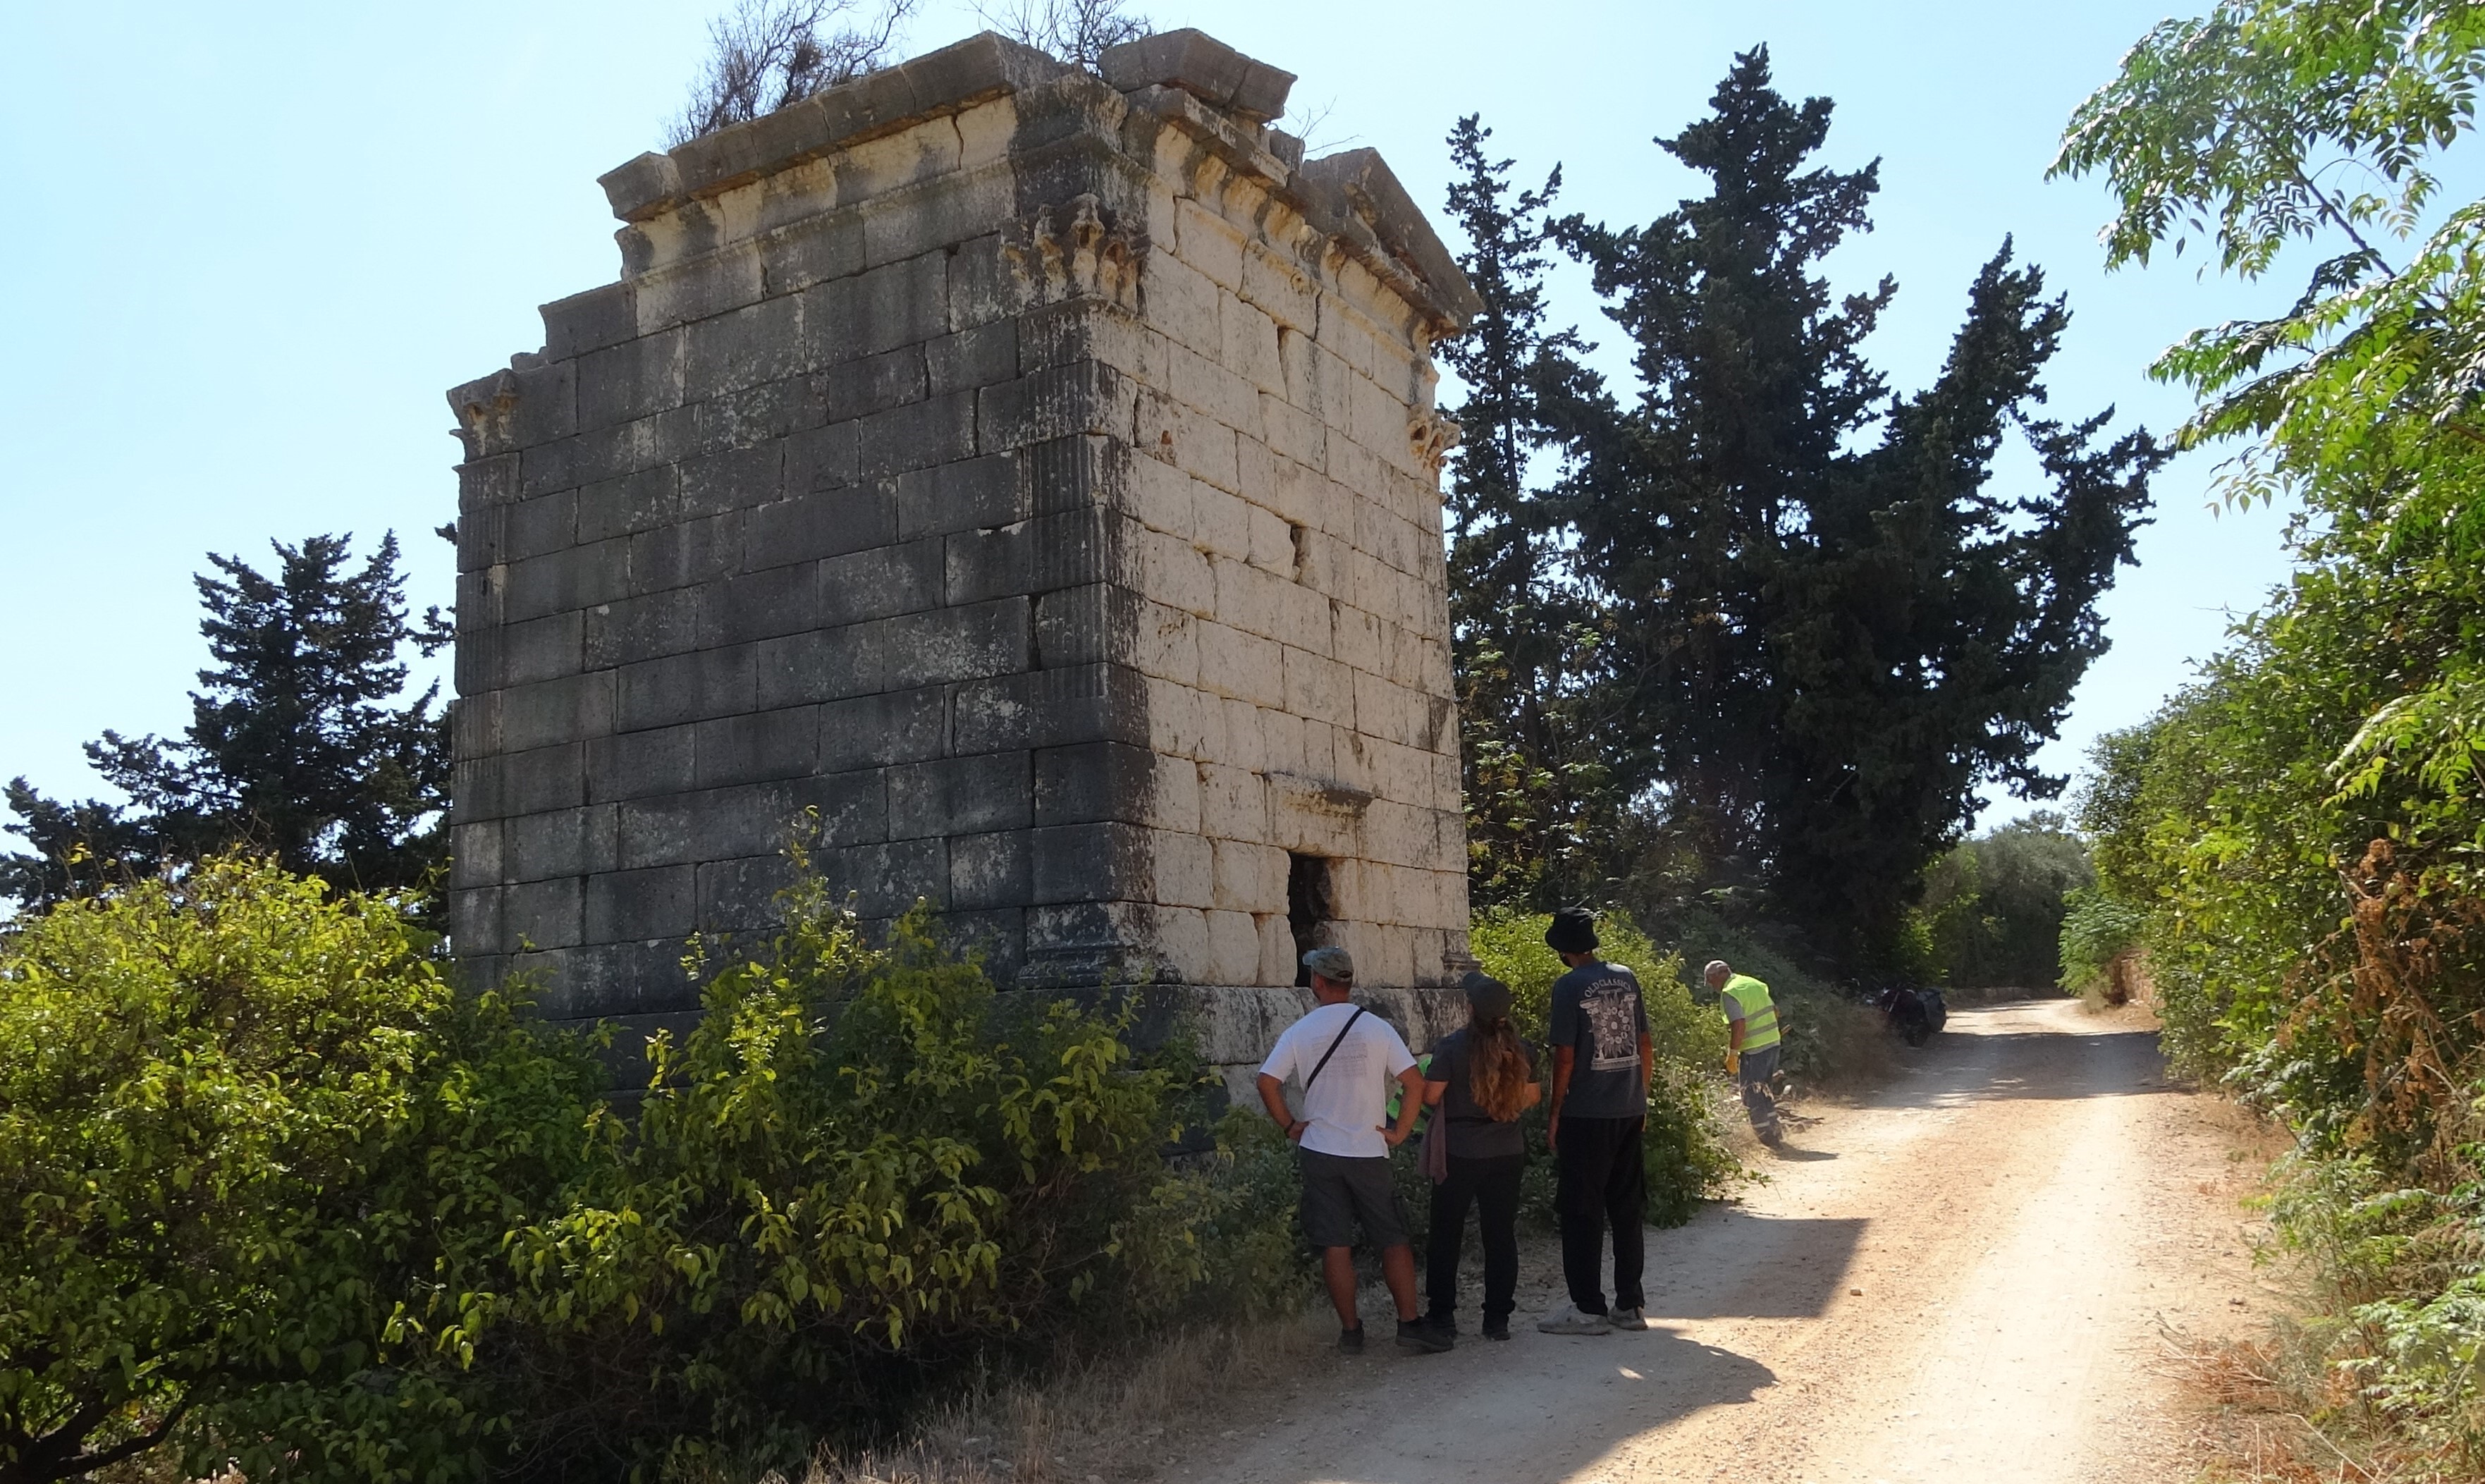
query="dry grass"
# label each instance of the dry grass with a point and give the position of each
(1119, 1418)
(2269, 1413)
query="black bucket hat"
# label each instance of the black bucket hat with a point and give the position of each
(1573, 931)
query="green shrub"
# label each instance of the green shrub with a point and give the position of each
(862, 1171)
(240, 1119)
(276, 1196)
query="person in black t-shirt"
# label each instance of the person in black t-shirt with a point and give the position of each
(1480, 1080)
(1602, 1060)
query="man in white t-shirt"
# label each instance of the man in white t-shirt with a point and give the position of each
(1345, 1058)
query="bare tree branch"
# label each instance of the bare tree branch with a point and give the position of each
(765, 54)
(1075, 31)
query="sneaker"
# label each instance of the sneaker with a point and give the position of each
(1628, 1319)
(1570, 1319)
(1496, 1329)
(1351, 1341)
(1418, 1335)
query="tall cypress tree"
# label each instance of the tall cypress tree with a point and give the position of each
(301, 744)
(1830, 631)
(1525, 636)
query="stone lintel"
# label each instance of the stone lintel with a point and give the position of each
(1202, 65)
(1403, 235)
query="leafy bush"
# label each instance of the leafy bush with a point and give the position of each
(240, 1118)
(276, 1196)
(2098, 930)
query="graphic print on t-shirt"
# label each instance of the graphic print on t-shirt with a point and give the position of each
(1613, 1028)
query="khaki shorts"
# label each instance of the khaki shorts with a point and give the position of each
(1338, 1192)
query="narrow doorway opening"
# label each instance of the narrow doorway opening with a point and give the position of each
(1307, 908)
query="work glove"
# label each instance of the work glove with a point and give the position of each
(1733, 1063)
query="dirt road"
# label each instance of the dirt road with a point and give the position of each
(1961, 1278)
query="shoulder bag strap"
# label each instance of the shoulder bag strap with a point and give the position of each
(1332, 1048)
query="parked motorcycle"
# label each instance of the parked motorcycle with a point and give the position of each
(1914, 1013)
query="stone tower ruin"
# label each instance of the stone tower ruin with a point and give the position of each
(1033, 472)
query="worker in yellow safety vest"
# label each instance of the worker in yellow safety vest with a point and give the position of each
(1752, 1044)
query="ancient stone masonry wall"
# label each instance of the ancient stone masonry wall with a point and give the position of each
(1033, 473)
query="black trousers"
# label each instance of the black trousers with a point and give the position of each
(1491, 1187)
(1602, 1182)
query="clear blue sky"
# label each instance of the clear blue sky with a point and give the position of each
(253, 244)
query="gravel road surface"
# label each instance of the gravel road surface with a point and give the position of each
(1961, 1277)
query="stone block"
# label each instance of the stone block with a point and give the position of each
(937, 213)
(760, 746)
(1249, 877)
(882, 582)
(981, 356)
(1089, 783)
(1172, 798)
(815, 249)
(1320, 687)
(1233, 948)
(590, 321)
(846, 809)
(821, 665)
(558, 843)
(961, 795)
(570, 709)
(475, 923)
(641, 904)
(641, 628)
(1050, 552)
(820, 460)
(1190, 440)
(757, 342)
(643, 499)
(1233, 804)
(741, 894)
(631, 380)
(1090, 863)
(533, 527)
(1085, 397)
(875, 732)
(686, 688)
(1049, 709)
(988, 871)
(686, 554)
(888, 879)
(475, 853)
(544, 649)
(965, 496)
(824, 523)
(732, 479)
(541, 914)
(639, 764)
(761, 605)
(1200, 65)
(545, 778)
(561, 580)
(1243, 667)
(857, 387)
(918, 435)
(960, 643)
(686, 829)
(1182, 870)
(895, 304)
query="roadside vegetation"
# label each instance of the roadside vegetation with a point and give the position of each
(2296, 842)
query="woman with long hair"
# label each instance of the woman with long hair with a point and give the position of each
(1482, 1077)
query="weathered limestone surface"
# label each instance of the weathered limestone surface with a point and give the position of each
(1033, 473)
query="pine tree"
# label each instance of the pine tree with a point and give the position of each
(300, 746)
(1828, 630)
